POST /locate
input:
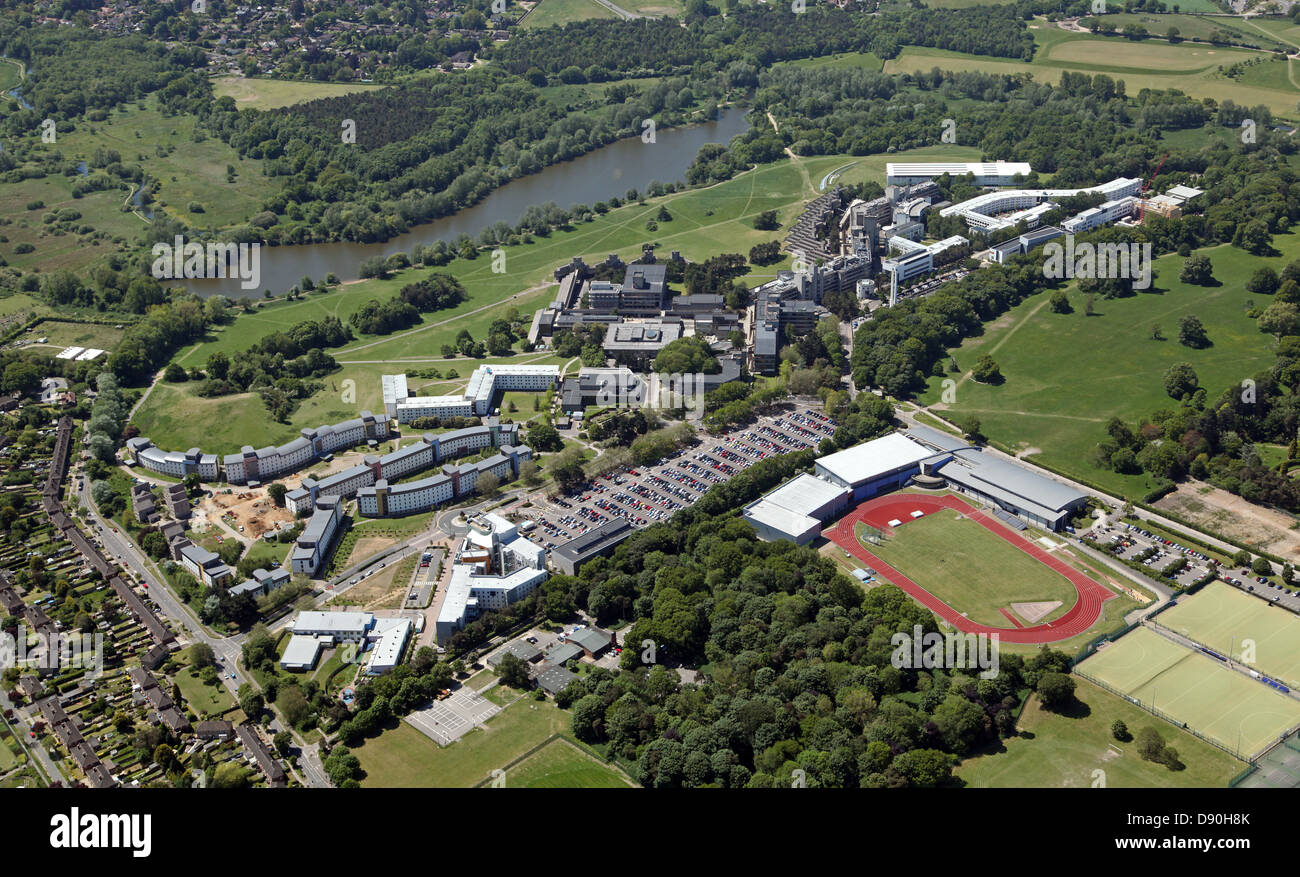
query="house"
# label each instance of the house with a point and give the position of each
(215, 730)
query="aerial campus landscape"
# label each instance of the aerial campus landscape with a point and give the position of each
(714, 394)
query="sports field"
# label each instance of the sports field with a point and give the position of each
(1241, 714)
(1225, 619)
(561, 765)
(402, 757)
(979, 579)
(971, 569)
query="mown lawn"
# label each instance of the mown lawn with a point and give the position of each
(1068, 374)
(402, 757)
(972, 570)
(562, 765)
(1067, 751)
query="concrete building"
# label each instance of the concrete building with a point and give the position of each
(313, 545)
(205, 566)
(344, 627)
(1003, 209)
(873, 467)
(1039, 500)
(987, 173)
(303, 651)
(569, 557)
(638, 343)
(493, 568)
(390, 643)
(1096, 217)
(797, 509)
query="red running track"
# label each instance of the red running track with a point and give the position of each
(879, 512)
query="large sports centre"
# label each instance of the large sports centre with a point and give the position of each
(919, 456)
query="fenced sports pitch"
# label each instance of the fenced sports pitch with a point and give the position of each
(1224, 618)
(1190, 688)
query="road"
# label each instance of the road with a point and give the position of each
(227, 649)
(617, 10)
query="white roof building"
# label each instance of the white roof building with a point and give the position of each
(797, 509)
(873, 466)
(387, 652)
(350, 626)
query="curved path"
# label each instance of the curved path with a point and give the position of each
(879, 512)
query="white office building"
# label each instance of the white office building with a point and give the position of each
(313, 545)
(494, 567)
(987, 173)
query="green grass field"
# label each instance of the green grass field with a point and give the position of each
(1224, 705)
(1192, 68)
(63, 334)
(1064, 751)
(1228, 620)
(971, 569)
(186, 171)
(209, 699)
(561, 765)
(402, 757)
(257, 93)
(1068, 374)
(552, 12)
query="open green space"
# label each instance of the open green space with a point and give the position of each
(562, 765)
(401, 756)
(100, 211)
(203, 698)
(1193, 68)
(972, 570)
(548, 13)
(185, 170)
(1199, 27)
(1242, 626)
(10, 73)
(842, 61)
(61, 334)
(1240, 713)
(1055, 750)
(1066, 375)
(260, 93)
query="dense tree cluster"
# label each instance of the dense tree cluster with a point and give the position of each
(801, 670)
(760, 36)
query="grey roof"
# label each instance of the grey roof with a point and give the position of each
(521, 649)
(590, 638)
(937, 438)
(613, 531)
(563, 653)
(1011, 483)
(555, 680)
(314, 531)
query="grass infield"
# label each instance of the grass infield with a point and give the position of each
(970, 568)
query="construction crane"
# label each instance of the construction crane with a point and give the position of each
(1146, 187)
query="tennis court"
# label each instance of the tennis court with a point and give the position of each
(1239, 713)
(1222, 617)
